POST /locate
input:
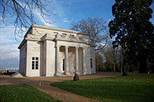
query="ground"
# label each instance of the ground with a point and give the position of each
(109, 87)
(139, 88)
(23, 93)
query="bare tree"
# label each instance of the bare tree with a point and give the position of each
(23, 10)
(95, 28)
(111, 58)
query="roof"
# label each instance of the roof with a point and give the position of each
(49, 28)
(57, 29)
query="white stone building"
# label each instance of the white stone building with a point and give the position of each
(47, 51)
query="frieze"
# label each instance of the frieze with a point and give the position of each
(71, 37)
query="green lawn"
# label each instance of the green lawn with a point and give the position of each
(23, 93)
(133, 88)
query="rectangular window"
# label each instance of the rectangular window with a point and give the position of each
(63, 64)
(35, 62)
(33, 58)
(91, 63)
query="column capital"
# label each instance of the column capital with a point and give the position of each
(66, 46)
(57, 46)
(76, 46)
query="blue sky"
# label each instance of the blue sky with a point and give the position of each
(74, 10)
(61, 13)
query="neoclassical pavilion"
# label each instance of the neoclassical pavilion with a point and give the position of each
(47, 51)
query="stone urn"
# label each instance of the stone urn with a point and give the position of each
(76, 77)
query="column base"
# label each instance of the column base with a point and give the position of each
(77, 73)
(67, 73)
(59, 74)
(84, 73)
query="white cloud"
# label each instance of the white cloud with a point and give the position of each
(39, 15)
(1, 18)
(8, 44)
(66, 20)
(58, 9)
(9, 52)
(44, 19)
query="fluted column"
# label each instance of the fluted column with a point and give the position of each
(77, 59)
(57, 61)
(84, 61)
(66, 70)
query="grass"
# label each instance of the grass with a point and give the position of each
(23, 93)
(132, 88)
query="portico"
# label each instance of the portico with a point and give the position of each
(69, 57)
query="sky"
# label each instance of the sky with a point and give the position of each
(60, 13)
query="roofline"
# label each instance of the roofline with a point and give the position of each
(22, 43)
(24, 40)
(58, 29)
(49, 28)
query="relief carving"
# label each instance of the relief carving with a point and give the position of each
(81, 39)
(63, 35)
(71, 37)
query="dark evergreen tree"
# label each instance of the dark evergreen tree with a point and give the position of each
(132, 30)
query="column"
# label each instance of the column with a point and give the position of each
(84, 61)
(57, 61)
(66, 61)
(49, 57)
(77, 59)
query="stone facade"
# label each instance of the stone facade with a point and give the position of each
(48, 51)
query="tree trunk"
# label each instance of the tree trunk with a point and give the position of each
(142, 64)
(114, 67)
(124, 70)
